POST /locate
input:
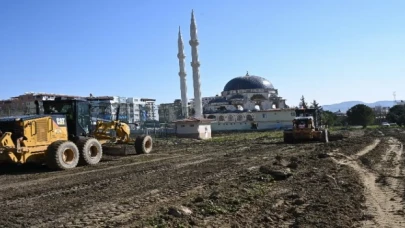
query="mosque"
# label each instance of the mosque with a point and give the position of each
(246, 93)
(246, 102)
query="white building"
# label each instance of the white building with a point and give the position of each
(207, 100)
(261, 120)
(196, 128)
(169, 112)
(246, 93)
(245, 102)
(132, 110)
(25, 104)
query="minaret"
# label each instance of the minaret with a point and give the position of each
(182, 73)
(195, 64)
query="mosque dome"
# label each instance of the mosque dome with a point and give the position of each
(248, 82)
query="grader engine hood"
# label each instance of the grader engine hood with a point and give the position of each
(32, 129)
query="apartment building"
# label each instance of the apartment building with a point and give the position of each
(132, 110)
(25, 104)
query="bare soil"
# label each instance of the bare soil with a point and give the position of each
(353, 181)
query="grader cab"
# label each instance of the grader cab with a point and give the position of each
(306, 127)
(62, 136)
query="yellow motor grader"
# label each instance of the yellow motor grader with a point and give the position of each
(61, 137)
(306, 127)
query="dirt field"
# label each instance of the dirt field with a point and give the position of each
(246, 180)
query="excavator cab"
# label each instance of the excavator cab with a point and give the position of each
(77, 113)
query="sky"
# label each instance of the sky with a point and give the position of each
(328, 51)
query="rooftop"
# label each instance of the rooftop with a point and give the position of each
(193, 120)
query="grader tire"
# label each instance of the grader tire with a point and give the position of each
(143, 144)
(62, 155)
(91, 151)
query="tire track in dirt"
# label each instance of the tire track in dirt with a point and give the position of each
(127, 162)
(382, 202)
(128, 182)
(112, 212)
(15, 175)
(80, 215)
(69, 175)
(131, 216)
(396, 147)
(96, 184)
(367, 149)
(190, 175)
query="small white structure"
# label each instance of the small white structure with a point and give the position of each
(196, 128)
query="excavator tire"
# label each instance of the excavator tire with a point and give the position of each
(91, 151)
(62, 155)
(143, 144)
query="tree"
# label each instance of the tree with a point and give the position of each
(314, 105)
(401, 121)
(329, 118)
(319, 110)
(360, 115)
(396, 114)
(303, 103)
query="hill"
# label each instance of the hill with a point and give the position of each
(344, 106)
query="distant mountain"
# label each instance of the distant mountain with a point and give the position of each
(344, 106)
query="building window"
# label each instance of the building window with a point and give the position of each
(182, 125)
(264, 115)
(191, 125)
(230, 118)
(240, 117)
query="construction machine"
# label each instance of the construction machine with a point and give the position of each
(306, 127)
(62, 137)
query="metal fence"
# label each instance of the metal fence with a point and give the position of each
(155, 132)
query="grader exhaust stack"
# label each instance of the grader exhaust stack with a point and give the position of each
(36, 107)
